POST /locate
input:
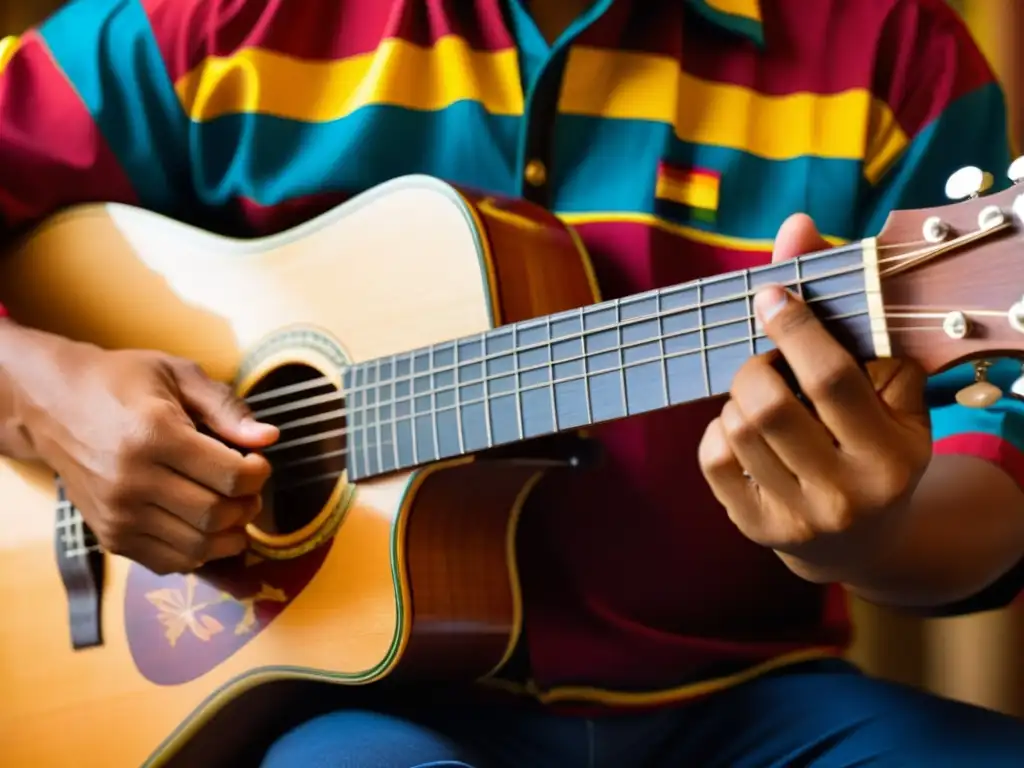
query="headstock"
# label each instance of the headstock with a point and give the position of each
(952, 279)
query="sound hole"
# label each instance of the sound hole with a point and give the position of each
(309, 457)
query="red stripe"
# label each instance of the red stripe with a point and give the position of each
(630, 257)
(985, 446)
(916, 56)
(680, 173)
(188, 31)
(928, 60)
(244, 217)
(51, 152)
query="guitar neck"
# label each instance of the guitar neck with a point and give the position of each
(599, 363)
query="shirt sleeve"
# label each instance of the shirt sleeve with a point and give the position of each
(946, 111)
(88, 111)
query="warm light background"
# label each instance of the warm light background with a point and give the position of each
(978, 658)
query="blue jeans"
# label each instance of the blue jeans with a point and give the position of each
(820, 714)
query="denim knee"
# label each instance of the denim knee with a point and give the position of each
(365, 739)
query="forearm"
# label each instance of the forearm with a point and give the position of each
(25, 355)
(962, 530)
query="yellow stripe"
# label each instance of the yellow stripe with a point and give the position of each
(635, 698)
(887, 142)
(637, 86)
(397, 73)
(598, 82)
(689, 233)
(696, 191)
(748, 9)
(8, 46)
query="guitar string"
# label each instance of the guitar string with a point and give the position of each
(518, 391)
(75, 520)
(487, 377)
(324, 380)
(489, 357)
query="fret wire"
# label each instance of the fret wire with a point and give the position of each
(586, 378)
(380, 438)
(394, 413)
(551, 363)
(412, 415)
(433, 405)
(662, 355)
(703, 347)
(702, 305)
(705, 368)
(515, 372)
(748, 304)
(488, 436)
(458, 394)
(366, 417)
(688, 308)
(621, 357)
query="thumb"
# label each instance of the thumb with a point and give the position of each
(797, 236)
(221, 410)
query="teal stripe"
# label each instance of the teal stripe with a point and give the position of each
(107, 50)
(739, 25)
(971, 131)
(270, 160)
(601, 165)
(611, 165)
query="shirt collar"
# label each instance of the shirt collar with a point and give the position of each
(741, 17)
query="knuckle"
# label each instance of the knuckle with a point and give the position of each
(794, 317)
(197, 551)
(121, 495)
(714, 453)
(832, 383)
(841, 517)
(768, 414)
(789, 531)
(894, 481)
(147, 431)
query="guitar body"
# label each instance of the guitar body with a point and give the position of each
(406, 576)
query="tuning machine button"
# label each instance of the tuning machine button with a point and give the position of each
(1016, 170)
(1017, 388)
(982, 393)
(968, 182)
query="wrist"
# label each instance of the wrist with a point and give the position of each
(849, 557)
(30, 361)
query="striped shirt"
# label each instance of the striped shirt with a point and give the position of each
(674, 135)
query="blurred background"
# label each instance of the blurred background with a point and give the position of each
(979, 658)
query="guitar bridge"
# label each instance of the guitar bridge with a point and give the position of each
(81, 564)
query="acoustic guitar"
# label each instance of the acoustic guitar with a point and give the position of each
(417, 346)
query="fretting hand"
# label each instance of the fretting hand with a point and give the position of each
(816, 489)
(120, 429)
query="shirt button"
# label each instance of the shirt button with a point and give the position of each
(535, 173)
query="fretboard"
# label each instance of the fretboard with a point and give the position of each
(595, 364)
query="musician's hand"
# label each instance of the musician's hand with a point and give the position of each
(120, 428)
(817, 490)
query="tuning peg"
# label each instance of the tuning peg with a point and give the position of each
(1016, 170)
(982, 393)
(968, 182)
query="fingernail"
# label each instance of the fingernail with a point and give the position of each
(256, 428)
(769, 302)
